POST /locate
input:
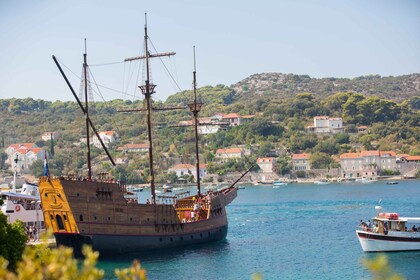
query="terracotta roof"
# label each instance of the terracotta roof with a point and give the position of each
(301, 156)
(35, 150)
(229, 151)
(203, 165)
(321, 117)
(403, 155)
(370, 153)
(390, 153)
(266, 159)
(231, 116)
(108, 132)
(362, 126)
(412, 158)
(351, 155)
(248, 116)
(182, 166)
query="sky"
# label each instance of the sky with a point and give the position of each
(233, 39)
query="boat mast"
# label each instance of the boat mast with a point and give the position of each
(87, 115)
(148, 90)
(195, 109)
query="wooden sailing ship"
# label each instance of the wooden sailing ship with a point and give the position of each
(95, 212)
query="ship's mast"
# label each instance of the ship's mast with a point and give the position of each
(87, 114)
(148, 89)
(195, 109)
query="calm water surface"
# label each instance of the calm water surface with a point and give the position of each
(299, 231)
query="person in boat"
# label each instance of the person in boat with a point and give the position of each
(414, 228)
(363, 225)
(386, 228)
(147, 201)
(368, 224)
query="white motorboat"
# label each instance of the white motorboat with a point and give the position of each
(322, 182)
(390, 232)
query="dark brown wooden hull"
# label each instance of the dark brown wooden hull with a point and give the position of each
(96, 213)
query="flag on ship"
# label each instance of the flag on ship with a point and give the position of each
(46, 171)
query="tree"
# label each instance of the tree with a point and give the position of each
(12, 241)
(52, 145)
(320, 160)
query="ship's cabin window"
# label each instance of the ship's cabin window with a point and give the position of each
(131, 219)
(81, 218)
(94, 217)
(109, 218)
(77, 194)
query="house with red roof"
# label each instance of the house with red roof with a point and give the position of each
(182, 169)
(26, 154)
(300, 162)
(134, 148)
(107, 138)
(267, 164)
(229, 153)
(367, 163)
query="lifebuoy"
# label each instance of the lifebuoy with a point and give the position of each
(17, 208)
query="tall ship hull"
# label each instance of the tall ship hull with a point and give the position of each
(96, 213)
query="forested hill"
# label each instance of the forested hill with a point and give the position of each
(280, 85)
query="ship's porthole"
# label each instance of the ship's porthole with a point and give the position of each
(81, 218)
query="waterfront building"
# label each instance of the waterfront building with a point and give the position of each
(300, 162)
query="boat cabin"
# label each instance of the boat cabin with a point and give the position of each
(388, 222)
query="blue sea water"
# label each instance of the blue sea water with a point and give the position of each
(299, 231)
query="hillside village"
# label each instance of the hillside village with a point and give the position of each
(369, 164)
(282, 126)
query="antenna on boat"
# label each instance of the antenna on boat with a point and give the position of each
(87, 114)
(195, 108)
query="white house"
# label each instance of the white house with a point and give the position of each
(267, 164)
(26, 154)
(229, 153)
(134, 148)
(107, 137)
(189, 169)
(46, 136)
(300, 162)
(325, 124)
